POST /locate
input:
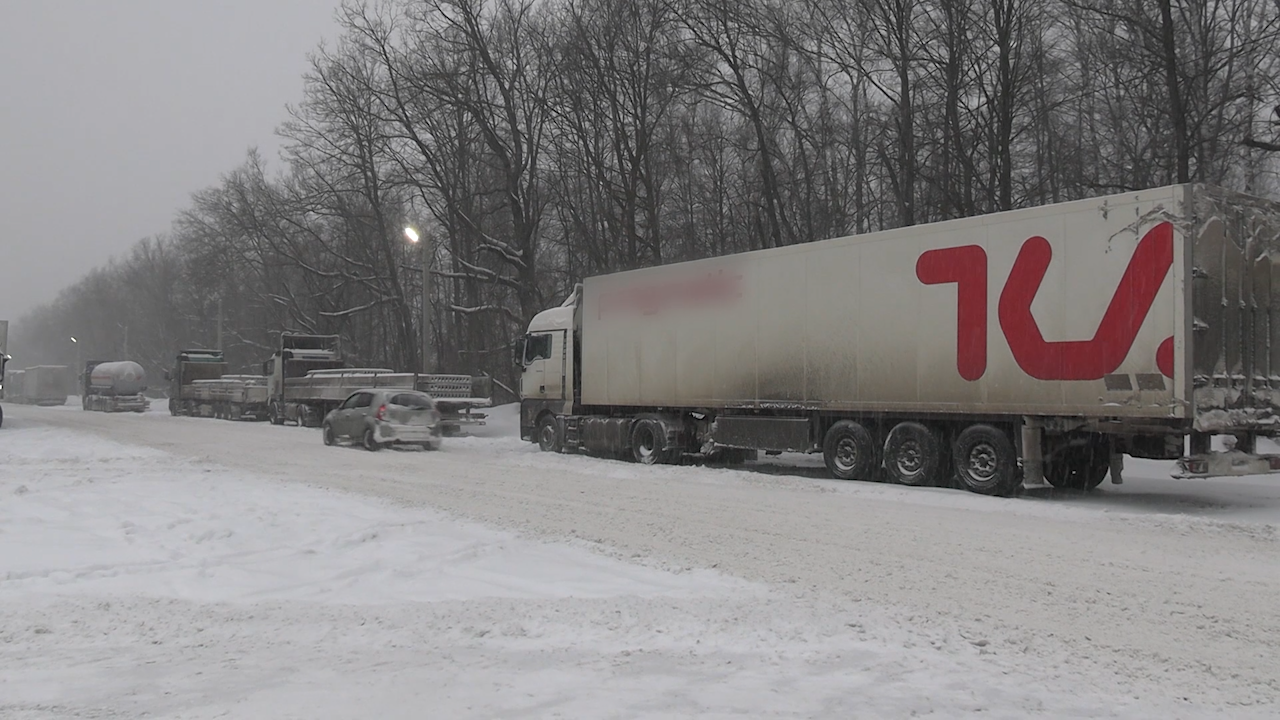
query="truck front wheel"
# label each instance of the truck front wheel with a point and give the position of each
(549, 434)
(849, 451)
(986, 461)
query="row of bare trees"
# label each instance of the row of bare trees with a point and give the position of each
(536, 142)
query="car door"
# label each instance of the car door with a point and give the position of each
(341, 421)
(360, 412)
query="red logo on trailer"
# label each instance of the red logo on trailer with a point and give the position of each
(1091, 359)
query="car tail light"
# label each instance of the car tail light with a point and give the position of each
(1197, 466)
(382, 411)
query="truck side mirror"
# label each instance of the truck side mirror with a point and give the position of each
(518, 353)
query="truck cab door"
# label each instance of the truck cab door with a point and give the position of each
(544, 366)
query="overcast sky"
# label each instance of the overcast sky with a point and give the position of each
(112, 112)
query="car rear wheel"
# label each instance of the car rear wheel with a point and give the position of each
(371, 441)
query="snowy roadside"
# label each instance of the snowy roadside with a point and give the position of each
(133, 582)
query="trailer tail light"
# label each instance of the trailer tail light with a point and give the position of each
(382, 412)
(1274, 462)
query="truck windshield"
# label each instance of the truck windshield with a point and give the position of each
(538, 347)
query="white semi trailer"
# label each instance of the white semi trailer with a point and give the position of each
(1032, 345)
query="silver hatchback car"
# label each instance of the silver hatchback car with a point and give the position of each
(379, 417)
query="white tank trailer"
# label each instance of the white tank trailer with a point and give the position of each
(1022, 347)
(115, 386)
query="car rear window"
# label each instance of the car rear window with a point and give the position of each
(411, 401)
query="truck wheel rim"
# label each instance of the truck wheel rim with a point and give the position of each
(645, 443)
(846, 454)
(983, 462)
(909, 460)
(548, 436)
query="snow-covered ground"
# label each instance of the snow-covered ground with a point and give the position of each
(178, 567)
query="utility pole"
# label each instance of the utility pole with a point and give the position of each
(219, 343)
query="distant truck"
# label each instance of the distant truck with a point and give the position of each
(114, 386)
(308, 376)
(199, 386)
(1032, 345)
(45, 385)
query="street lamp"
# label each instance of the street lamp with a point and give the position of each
(412, 235)
(79, 369)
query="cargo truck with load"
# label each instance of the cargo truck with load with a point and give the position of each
(115, 386)
(1026, 346)
(199, 386)
(308, 376)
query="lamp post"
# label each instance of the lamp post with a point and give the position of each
(424, 245)
(79, 373)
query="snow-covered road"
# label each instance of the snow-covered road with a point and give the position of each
(181, 567)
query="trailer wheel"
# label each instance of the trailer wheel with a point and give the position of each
(986, 461)
(549, 434)
(370, 442)
(649, 443)
(912, 454)
(1079, 467)
(849, 452)
(329, 439)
